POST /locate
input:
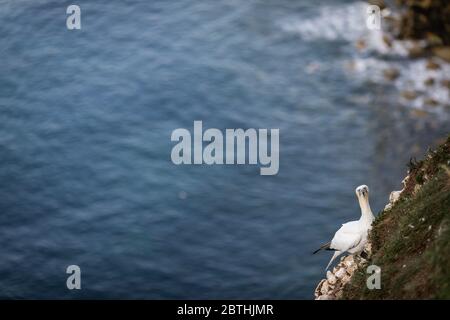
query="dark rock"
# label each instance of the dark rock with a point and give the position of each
(387, 40)
(443, 53)
(429, 82)
(431, 102)
(409, 95)
(425, 19)
(391, 74)
(446, 83)
(379, 3)
(416, 51)
(433, 65)
(433, 39)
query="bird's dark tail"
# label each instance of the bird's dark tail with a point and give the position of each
(326, 246)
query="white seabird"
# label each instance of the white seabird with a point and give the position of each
(352, 236)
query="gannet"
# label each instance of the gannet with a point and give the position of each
(352, 236)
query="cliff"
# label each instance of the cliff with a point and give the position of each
(409, 241)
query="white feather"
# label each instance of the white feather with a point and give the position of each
(352, 236)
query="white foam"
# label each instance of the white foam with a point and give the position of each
(344, 22)
(375, 55)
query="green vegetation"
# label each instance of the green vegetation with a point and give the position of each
(411, 241)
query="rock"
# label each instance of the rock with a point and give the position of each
(405, 181)
(387, 41)
(368, 249)
(324, 288)
(317, 292)
(442, 52)
(433, 39)
(391, 74)
(416, 51)
(425, 4)
(362, 261)
(409, 95)
(325, 297)
(351, 269)
(429, 82)
(349, 261)
(446, 83)
(346, 279)
(432, 65)
(341, 273)
(332, 287)
(361, 44)
(394, 196)
(379, 3)
(431, 102)
(331, 278)
(393, 23)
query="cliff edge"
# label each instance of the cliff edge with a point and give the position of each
(409, 241)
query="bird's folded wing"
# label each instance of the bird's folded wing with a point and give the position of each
(345, 240)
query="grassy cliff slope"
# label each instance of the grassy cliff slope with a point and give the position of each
(411, 240)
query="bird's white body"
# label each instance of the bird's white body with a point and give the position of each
(352, 236)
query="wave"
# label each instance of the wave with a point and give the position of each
(343, 22)
(373, 52)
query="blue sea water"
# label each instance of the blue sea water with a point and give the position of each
(85, 170)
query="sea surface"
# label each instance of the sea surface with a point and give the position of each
(86, 117)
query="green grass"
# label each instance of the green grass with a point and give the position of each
(411, 242)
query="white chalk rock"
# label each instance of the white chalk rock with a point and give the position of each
(405, 181)
(341, 273)
(394, 196)
(317, 292)
(349, 261)
(324, 289)
(345, 279)
(325, 297)
(331, 278)
(368, 248)
(351, 269)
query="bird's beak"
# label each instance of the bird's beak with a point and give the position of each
(362, 192)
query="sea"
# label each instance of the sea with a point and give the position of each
(86, 118)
